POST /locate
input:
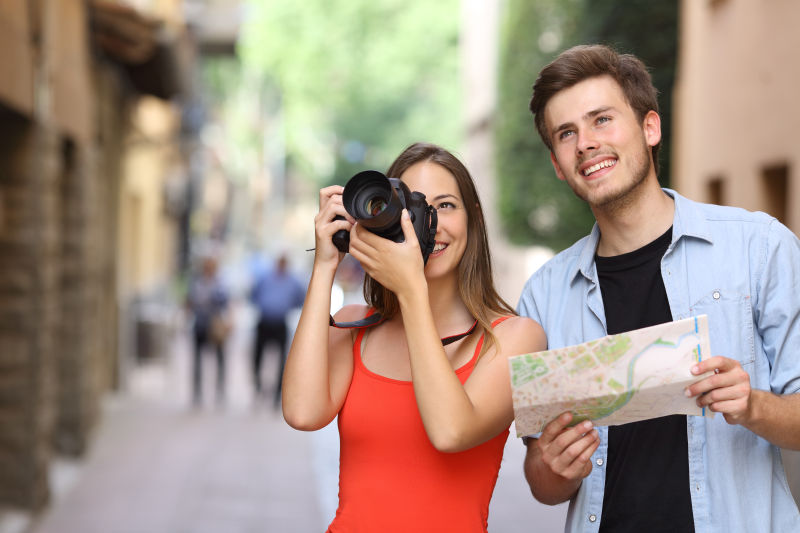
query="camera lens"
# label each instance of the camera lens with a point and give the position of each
(370, 198)
(375, 206)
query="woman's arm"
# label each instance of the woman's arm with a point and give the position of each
(458, 417)
(319, 365)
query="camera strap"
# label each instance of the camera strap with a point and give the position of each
(377, 318)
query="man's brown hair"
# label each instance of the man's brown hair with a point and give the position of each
(582, 62)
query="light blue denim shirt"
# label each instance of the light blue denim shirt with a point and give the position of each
(742, 269)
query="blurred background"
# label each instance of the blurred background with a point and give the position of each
(140, 138)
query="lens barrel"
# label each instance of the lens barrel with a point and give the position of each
(370, 198)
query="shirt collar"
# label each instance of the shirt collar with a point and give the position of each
(585, 264)
(688, 221)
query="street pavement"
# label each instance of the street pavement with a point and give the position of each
(158, 465)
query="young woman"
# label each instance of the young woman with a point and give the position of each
(422, 425)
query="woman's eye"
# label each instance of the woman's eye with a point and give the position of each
(445, 206)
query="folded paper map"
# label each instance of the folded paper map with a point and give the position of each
(614, 380)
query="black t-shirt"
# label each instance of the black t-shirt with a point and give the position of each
(647, 469)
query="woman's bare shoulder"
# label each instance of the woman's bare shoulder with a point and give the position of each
(519, 334)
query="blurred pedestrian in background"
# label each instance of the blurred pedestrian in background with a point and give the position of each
(208, 301)
(275, 293)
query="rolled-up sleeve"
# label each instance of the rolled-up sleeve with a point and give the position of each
(778, 307)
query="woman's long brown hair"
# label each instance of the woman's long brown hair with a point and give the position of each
(475, 281)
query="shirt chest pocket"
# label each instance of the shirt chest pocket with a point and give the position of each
(730, 324)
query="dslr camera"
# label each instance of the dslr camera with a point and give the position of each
(377, 202)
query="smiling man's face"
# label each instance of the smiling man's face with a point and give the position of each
(600, 148)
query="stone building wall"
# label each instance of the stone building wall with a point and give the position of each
(63, 127)
(29, 306)
(79, 357)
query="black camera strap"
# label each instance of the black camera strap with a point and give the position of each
(377, 318)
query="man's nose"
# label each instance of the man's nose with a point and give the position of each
(586, 141)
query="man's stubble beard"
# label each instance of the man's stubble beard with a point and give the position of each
(620, 200)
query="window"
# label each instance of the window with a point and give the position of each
(715, 191)
(774, 181)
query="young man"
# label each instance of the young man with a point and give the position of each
(655, 256)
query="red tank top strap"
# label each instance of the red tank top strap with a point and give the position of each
(480, 341)
(359, 336)
(499, 320)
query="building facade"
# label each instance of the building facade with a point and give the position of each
(735, 114)
(84, 157)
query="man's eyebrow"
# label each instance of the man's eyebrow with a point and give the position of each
(589, 114)
(598, 111)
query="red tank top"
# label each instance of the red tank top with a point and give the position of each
(391, 478)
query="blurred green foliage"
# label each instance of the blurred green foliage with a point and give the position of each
(353, 82)
(535, 207)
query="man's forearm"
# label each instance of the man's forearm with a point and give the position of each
(775, 417)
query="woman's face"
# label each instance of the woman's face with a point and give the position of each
(441, 191)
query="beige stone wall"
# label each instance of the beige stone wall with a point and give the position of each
(16, 56)
(735, 109)
(79, 352)
(64, 133)
(29, 308)
(147, 234)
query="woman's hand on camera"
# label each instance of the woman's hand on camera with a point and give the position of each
(396, 266)
(330, 205)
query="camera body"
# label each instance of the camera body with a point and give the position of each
(377, 203)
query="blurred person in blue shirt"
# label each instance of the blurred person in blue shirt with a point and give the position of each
(654, 256)
(275, 293)
(207, 299)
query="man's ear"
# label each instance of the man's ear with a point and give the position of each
(557, 167)
(652, 128)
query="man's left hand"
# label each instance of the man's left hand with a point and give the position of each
(726, 391)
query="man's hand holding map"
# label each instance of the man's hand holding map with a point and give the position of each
(613, 380)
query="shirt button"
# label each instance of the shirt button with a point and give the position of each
(697, 487)
(599, 461)
(592, 518)
(715, 295)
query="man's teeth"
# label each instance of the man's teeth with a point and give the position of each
(439, 247)
(598, 166)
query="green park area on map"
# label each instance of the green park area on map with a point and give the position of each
(613, 380)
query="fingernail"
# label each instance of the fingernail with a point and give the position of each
(405, 213)
(695, 369)
(587, 425)
(687, 392)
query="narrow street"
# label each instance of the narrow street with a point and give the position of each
(159, 466)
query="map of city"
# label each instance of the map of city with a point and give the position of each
(613, 380)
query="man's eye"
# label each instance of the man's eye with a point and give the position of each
(564, 134)
(601, 120)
